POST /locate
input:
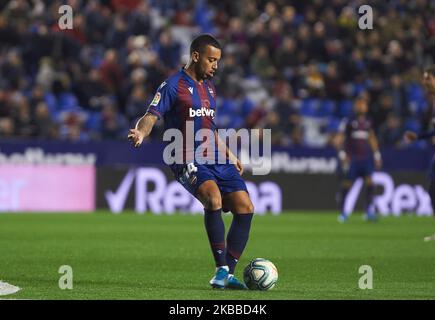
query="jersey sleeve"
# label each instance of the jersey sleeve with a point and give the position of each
(163, 100)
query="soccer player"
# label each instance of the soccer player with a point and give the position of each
(186, 99)
(409, 136)
(358, 147)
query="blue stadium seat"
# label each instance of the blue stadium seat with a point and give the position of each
(93, 121)
(309, 107)
(51, 102)
(327, 108)
(345, 109)
(412, 125)
(333, 124)
(68, 101)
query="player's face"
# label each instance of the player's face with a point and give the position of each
(207, 63)
(361, 107)
(429, 82)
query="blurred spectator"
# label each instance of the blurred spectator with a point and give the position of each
(7, 128)
(44, 124)
(391, 133)
(71, 127)
(261, 63)
(21, 116)
(114, 125)
(168, 50)
(284, 65)
(111, 72)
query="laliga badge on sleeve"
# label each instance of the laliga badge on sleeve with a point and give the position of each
(156, 99)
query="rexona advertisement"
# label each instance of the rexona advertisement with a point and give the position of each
(154, 189)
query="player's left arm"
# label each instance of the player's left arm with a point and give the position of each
(373, 141)
(229, 154)
(411, 136)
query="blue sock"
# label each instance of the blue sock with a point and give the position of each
(432, 193)
(237, 238)
(343, 194)
(369, 199)
(214, 225)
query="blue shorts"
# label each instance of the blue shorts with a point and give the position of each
(360, 168)
(226, 177)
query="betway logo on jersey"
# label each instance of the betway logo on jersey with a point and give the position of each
(360, 134)
(203, 112)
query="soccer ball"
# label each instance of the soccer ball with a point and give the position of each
(260, 274)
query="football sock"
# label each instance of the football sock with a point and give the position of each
(237, 238)
(432, 193)
(369, 197)
(214, 225)
(344, 192)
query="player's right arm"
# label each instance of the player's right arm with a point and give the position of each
(142, 129)
(161, 103)
(411, 136)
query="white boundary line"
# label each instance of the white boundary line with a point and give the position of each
(6, 288)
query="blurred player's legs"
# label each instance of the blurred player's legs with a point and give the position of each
(345, 187)
(432, 184)
(431, 190)
(358, 169)
(432, 193)
(370, 207)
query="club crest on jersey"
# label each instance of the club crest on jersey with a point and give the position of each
(211, 91)
(156, 99)
(203, 112)
(190, 90)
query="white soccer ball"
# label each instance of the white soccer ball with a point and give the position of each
(260, 274)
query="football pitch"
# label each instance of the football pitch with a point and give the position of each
(131, 256)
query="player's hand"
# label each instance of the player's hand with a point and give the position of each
(378, 164)
(136, 137)
(345, 164)
(239, 166)
(409, 136)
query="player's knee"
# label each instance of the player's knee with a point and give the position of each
(245, 207)
(213, 202)
(250, 208)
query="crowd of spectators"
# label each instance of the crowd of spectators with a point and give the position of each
(292, 66)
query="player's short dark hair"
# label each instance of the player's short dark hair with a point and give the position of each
(202, 41)
(430, 70)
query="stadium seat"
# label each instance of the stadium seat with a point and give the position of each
(327, 108)
(68, 101)
(345, 108)
(93, 121)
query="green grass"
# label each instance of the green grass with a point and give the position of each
(132, 256)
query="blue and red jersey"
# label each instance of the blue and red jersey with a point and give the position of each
(181, 100)
(356, 132)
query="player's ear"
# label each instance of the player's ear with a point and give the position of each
(195, 56)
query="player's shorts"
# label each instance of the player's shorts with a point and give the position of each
(226, 177)
(360, 168)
